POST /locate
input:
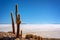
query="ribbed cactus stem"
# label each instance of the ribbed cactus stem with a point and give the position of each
(13, 28)
(16, 12)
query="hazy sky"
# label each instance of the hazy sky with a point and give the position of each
(31, 11)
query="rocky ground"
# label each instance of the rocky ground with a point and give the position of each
(11, 36)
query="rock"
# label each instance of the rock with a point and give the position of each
(5, 34)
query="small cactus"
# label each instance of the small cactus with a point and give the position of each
(21, 33)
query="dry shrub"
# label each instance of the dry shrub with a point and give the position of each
(40, 38)
(28, 36)
(35, 37)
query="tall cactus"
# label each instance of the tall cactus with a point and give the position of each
(17, 21)
(13, 28)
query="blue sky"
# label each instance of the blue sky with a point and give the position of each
(31, 11)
